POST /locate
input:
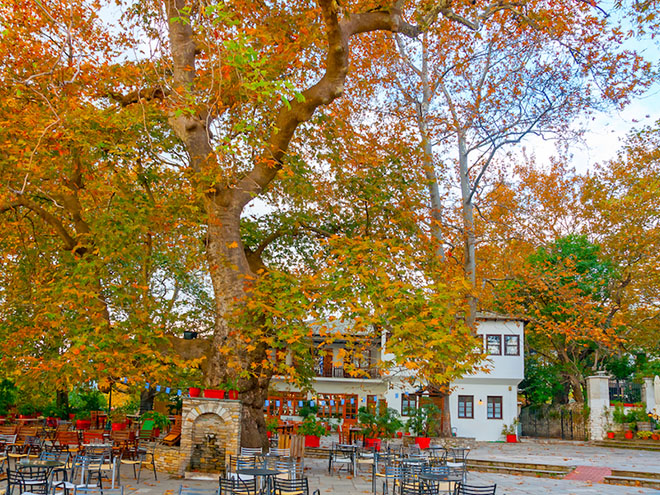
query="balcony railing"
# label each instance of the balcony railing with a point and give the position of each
(339, 372)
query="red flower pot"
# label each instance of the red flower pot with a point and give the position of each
(194, 391)
(628, 435)
(655, 436)
(72, 416)
(423, 442)
(399, 434)
(233, 394)
(269, 434)
(212, 393)
(512, 438)
(312, 441)
(118, 426)
(610, 434)
(373, 442)
(83, 424)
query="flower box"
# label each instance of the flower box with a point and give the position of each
(512, 438)
(213, 393)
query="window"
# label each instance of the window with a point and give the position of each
(466, 406)
(494, 345)
(408, 404)
(494, 410)
(511, 345)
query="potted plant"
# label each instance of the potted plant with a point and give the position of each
(232, 389)
(160, 422)
(510, 432)
(644, 434)
(271, 426)
(83, 421)
(117, 418)
(656, 435)
(610, 434)
(423, 423)
(313, 431)
(194, 391)
(385, 423)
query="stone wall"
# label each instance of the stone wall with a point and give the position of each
(168, 459)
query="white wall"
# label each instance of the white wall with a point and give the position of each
(480, 427)
(507, 367)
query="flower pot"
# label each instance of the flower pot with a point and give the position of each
(72, 416)
(610, 434)
(399, 434)
(423, 442)
(212, 393)
(655, 436)
(232, 394)
(194, 391)
(628, 435)
(155, 433)
(269, 434)
(373, 442)
(118, 426)
(312, 441)
(512, 438)
(83, 424)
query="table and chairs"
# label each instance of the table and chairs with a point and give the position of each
(433, 471)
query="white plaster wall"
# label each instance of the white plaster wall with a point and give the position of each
(480, 427)
(506, 367)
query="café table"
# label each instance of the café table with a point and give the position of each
(268, 474)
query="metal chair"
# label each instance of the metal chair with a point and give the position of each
(280, 452)
(136, 454)
(394, 473)
(343, 456)
(462, 489)
(249, 451)
(293, 487)
(33, 482)
(233, 486)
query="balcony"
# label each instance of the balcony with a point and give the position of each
(367, 373)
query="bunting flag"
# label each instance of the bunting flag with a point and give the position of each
(167, 390)
(332, 402)
(178, 392)
(300, 403)
(267, 402)
(146, 385)
(157, 388)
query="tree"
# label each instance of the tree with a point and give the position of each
(563, 290)
(92, 267)
(521, 76)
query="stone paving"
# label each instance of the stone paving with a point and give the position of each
(567, 453)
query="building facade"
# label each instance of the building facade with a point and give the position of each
(480, 404)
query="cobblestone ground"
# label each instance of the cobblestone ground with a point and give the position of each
(566, 453)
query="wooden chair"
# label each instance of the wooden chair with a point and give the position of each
(174, 435)
(9, 430)
(67, 441)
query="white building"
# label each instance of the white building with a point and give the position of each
(480, 404)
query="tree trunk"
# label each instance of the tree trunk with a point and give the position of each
(469, 236)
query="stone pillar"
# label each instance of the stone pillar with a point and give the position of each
(656, 388)
(648, 394)
(598, 394)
